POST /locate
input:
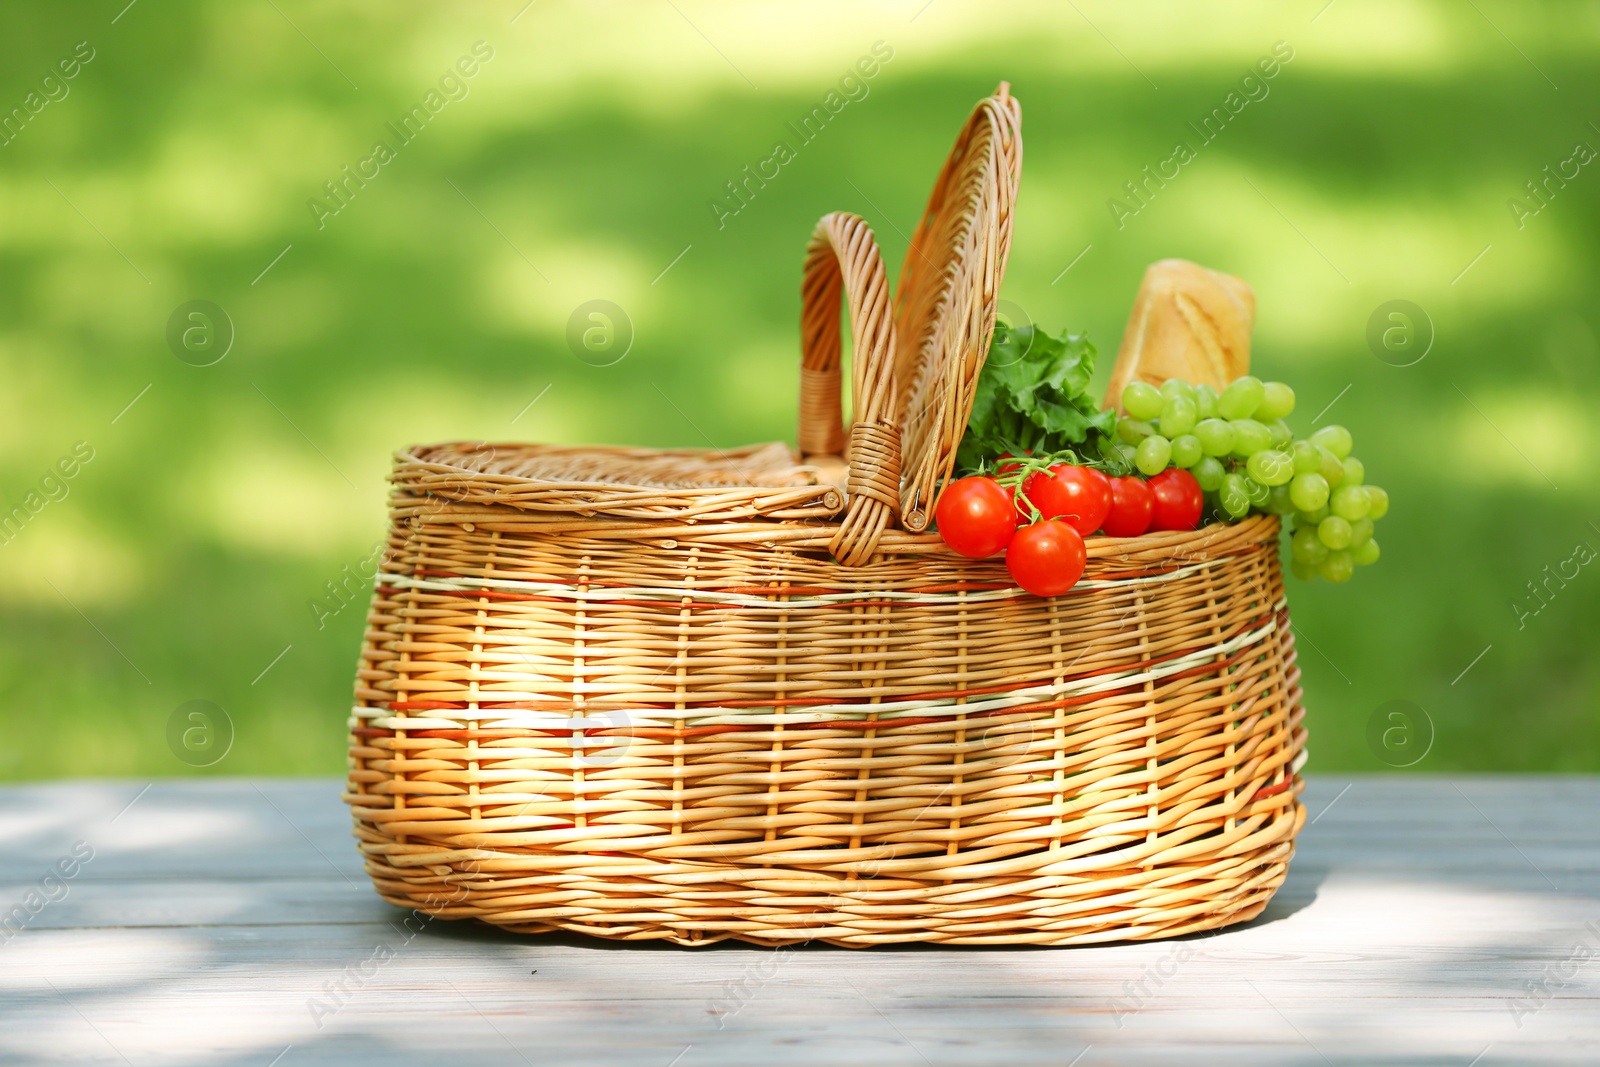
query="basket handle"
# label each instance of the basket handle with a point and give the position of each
(843, 254)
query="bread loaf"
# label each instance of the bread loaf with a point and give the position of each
(1188, 322)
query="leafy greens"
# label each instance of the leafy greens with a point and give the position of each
(1033, 397)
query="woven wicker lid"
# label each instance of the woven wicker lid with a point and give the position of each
(944, 313)
(689, 484)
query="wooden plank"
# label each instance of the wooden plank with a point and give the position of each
(417, 1011)
(229, 828)
(813, 999)
(158, 902)
(239, 828)
(218, 920)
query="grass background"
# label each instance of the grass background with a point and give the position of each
(584, 160)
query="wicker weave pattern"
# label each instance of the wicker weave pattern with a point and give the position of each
(690, 484)
(944, 315)
(844, 256)
(718, 740)
(689, 696)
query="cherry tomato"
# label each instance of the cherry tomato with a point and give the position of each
(1177, 500)
(1046, 557)
(976, 516)
(1131, 504)
(1080, 495)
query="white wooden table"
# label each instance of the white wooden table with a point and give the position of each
(227, 921)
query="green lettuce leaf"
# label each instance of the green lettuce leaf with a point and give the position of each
(1033, 396)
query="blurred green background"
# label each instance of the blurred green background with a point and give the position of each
(179, 163)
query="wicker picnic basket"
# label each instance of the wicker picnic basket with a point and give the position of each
(696, 695)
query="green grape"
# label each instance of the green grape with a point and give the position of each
(1134, 430)
(1280, 504)
(1208, 472)
(1216, 436)
(1282, 436)
(1186, 450)
(1205, 401)
(1377, 502)
(1176, 387)
(1271, 467)
(1312, 518)
(1256, 493)
(1306, 547)
(1178, 416)
(1355, 472)
(1125, 453)
(1360, 532)
(1306, 457)
(1332, 469)
(1241, 398)
(1335, 439)
(1277, 401)
(1308, 491)
(1349, 502)
(1334, 531)
(1303, 571)
(1365, 554)
(1141, 400)
(1152, 455)
(1338, 567)
(1233, 497)
(1250, 437)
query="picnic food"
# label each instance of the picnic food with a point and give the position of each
(1131, 506)
(1032, 397)
(1315, 479)
(1176, 500)
(1046, 557)
(1205, 444)
(1079, 495)
(1188, 322)
(975, 516)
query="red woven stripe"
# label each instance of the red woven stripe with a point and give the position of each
(601, 705)
(672, 733)
(765, 590)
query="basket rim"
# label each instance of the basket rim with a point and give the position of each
(802, 532)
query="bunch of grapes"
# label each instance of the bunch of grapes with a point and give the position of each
(1246, 459)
